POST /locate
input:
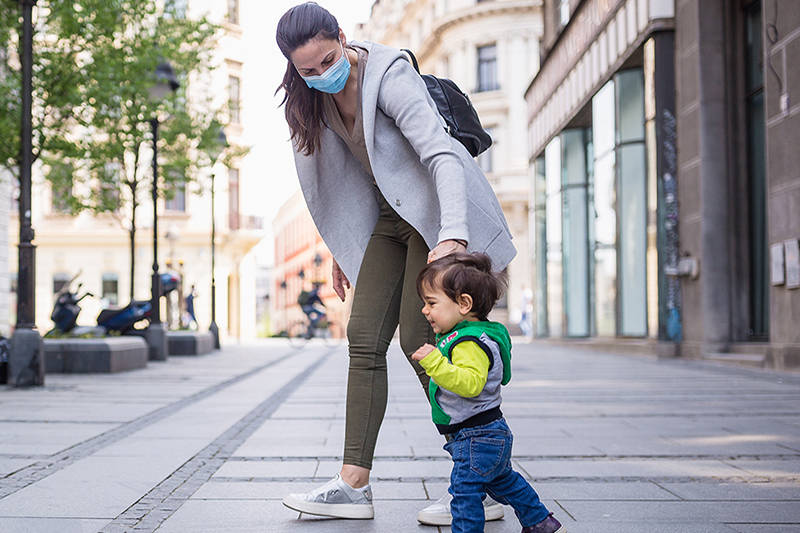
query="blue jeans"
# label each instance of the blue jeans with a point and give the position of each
(482, 465)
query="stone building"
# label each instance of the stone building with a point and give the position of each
(98, 247)
(491, 50)
(665, 186)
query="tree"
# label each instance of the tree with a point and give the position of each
(94, 64)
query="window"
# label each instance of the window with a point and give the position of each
(562, 14)
(60, 280)
(485, 160)
(110, 290)
(233, 11)
(234, 99)
(176, 199)
(175, 8)
(233, 198)
(60, 177)
(756, 174)
(487, 68)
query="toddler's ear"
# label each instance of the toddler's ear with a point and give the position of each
(465, 304)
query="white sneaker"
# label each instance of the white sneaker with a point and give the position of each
(335, 499)
(438, 514)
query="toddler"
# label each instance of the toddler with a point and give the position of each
(471, 360)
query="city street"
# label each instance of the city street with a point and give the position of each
(612, 443)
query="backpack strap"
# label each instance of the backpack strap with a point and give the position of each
(413, 59)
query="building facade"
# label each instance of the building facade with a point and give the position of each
(491, 50)
(97, 249)
(301, 258)
(664, 207)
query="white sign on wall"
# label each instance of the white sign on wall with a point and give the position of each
(792, 258)
(778, 277)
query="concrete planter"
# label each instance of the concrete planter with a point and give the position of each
(190, 342)
(82, 356)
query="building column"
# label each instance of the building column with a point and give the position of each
(715, 264)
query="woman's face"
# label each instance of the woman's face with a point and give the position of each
(317, 55)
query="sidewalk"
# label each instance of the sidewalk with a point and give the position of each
(206, 444)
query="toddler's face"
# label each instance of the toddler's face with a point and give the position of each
(442, 312)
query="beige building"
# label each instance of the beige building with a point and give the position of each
(491, 50)
(98, 247)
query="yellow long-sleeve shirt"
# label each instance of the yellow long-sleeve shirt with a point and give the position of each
(466, 375)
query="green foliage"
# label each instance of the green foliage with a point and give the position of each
(93, 65)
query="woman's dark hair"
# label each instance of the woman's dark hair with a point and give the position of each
(304, 108)
(465, 273)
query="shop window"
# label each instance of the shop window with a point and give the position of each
(487, 68)
(234, 99)
(631, 204)
(110, 295)
(539, 246)
(575, 228)
(553, 236)
(604, 210)
(756, 174)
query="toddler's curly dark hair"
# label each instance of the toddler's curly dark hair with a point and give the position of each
(465, 273)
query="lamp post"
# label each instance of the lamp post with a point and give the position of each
(215, 152)
(165, 82)
(26, 357)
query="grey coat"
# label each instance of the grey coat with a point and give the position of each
(426, 175)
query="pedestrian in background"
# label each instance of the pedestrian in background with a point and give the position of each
(467, 366)
(389, 190)
(190, 319)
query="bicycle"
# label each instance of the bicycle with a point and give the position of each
(330, 331)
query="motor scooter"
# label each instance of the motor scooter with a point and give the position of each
(119, 321)
(66, 310)
(125, 320)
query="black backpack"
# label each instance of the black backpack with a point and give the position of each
(303, 298)
(456, 109)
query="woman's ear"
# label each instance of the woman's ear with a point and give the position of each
(464, 304)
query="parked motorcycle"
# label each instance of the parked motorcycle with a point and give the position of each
(120, 321)
(124, 320)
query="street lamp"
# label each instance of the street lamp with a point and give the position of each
(165, 82)
(26, 357)
(221, 142)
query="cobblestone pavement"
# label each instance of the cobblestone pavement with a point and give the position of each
(206, 444)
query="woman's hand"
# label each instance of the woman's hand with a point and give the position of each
(445, 248)
(422, 352)
(340, 281)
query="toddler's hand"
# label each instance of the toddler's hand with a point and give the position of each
(422, 352)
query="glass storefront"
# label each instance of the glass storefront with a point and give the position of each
(594, 225)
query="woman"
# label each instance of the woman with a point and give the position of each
(389, 190)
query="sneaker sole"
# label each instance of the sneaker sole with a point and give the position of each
(333, 510)
(492, 512)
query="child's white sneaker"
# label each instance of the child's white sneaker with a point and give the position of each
(438, 514)
(335, 499)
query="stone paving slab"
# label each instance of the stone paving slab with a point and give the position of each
(612, 444)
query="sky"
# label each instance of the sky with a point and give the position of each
(270, 163)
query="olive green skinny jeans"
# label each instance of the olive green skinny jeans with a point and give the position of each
(385, 296)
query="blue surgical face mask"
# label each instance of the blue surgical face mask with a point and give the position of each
(332, 80)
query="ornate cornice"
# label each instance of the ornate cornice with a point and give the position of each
(478, 11)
